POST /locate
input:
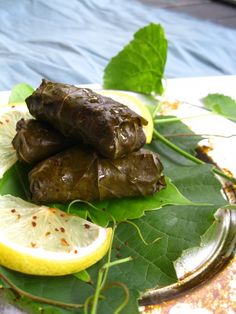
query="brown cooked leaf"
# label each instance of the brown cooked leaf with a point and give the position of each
(110, 127)
(82, 174)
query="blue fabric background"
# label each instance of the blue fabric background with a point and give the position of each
(72, 41)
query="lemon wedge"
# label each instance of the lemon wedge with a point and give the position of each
(46, 241)
(134, 103)
(9, 115)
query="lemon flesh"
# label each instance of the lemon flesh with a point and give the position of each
(9, 115)
(46, 241)
(134, 103)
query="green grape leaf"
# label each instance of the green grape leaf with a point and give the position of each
(221, 104)
(139, 67)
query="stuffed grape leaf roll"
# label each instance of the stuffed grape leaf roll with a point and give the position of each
(83, 174)
(35, 141)
(110, 127)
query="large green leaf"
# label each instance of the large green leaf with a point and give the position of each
(175, 228)
(178, 227)
(140, 65)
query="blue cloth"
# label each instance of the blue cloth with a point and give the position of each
(72, 41)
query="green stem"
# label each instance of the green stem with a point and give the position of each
(156, 110)
(102, 276)
(26, 294)
(165, 120)
(177, 149)
(103, 273)
(126, 291)
(189, 156)
(97, 292)
(86, 304)
(81, 201)
(223, 175)
(140, 234)
(120, 261)
(198, 134)
(108, 260)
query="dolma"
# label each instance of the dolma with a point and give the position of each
(110, 127)
(83, 174)
(35, 141)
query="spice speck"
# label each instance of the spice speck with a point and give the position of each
(64, 242)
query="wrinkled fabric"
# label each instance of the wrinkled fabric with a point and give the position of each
(72, 41)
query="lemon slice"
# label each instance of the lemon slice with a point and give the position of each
(134, 103)
(9, 115)
(46, 241)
